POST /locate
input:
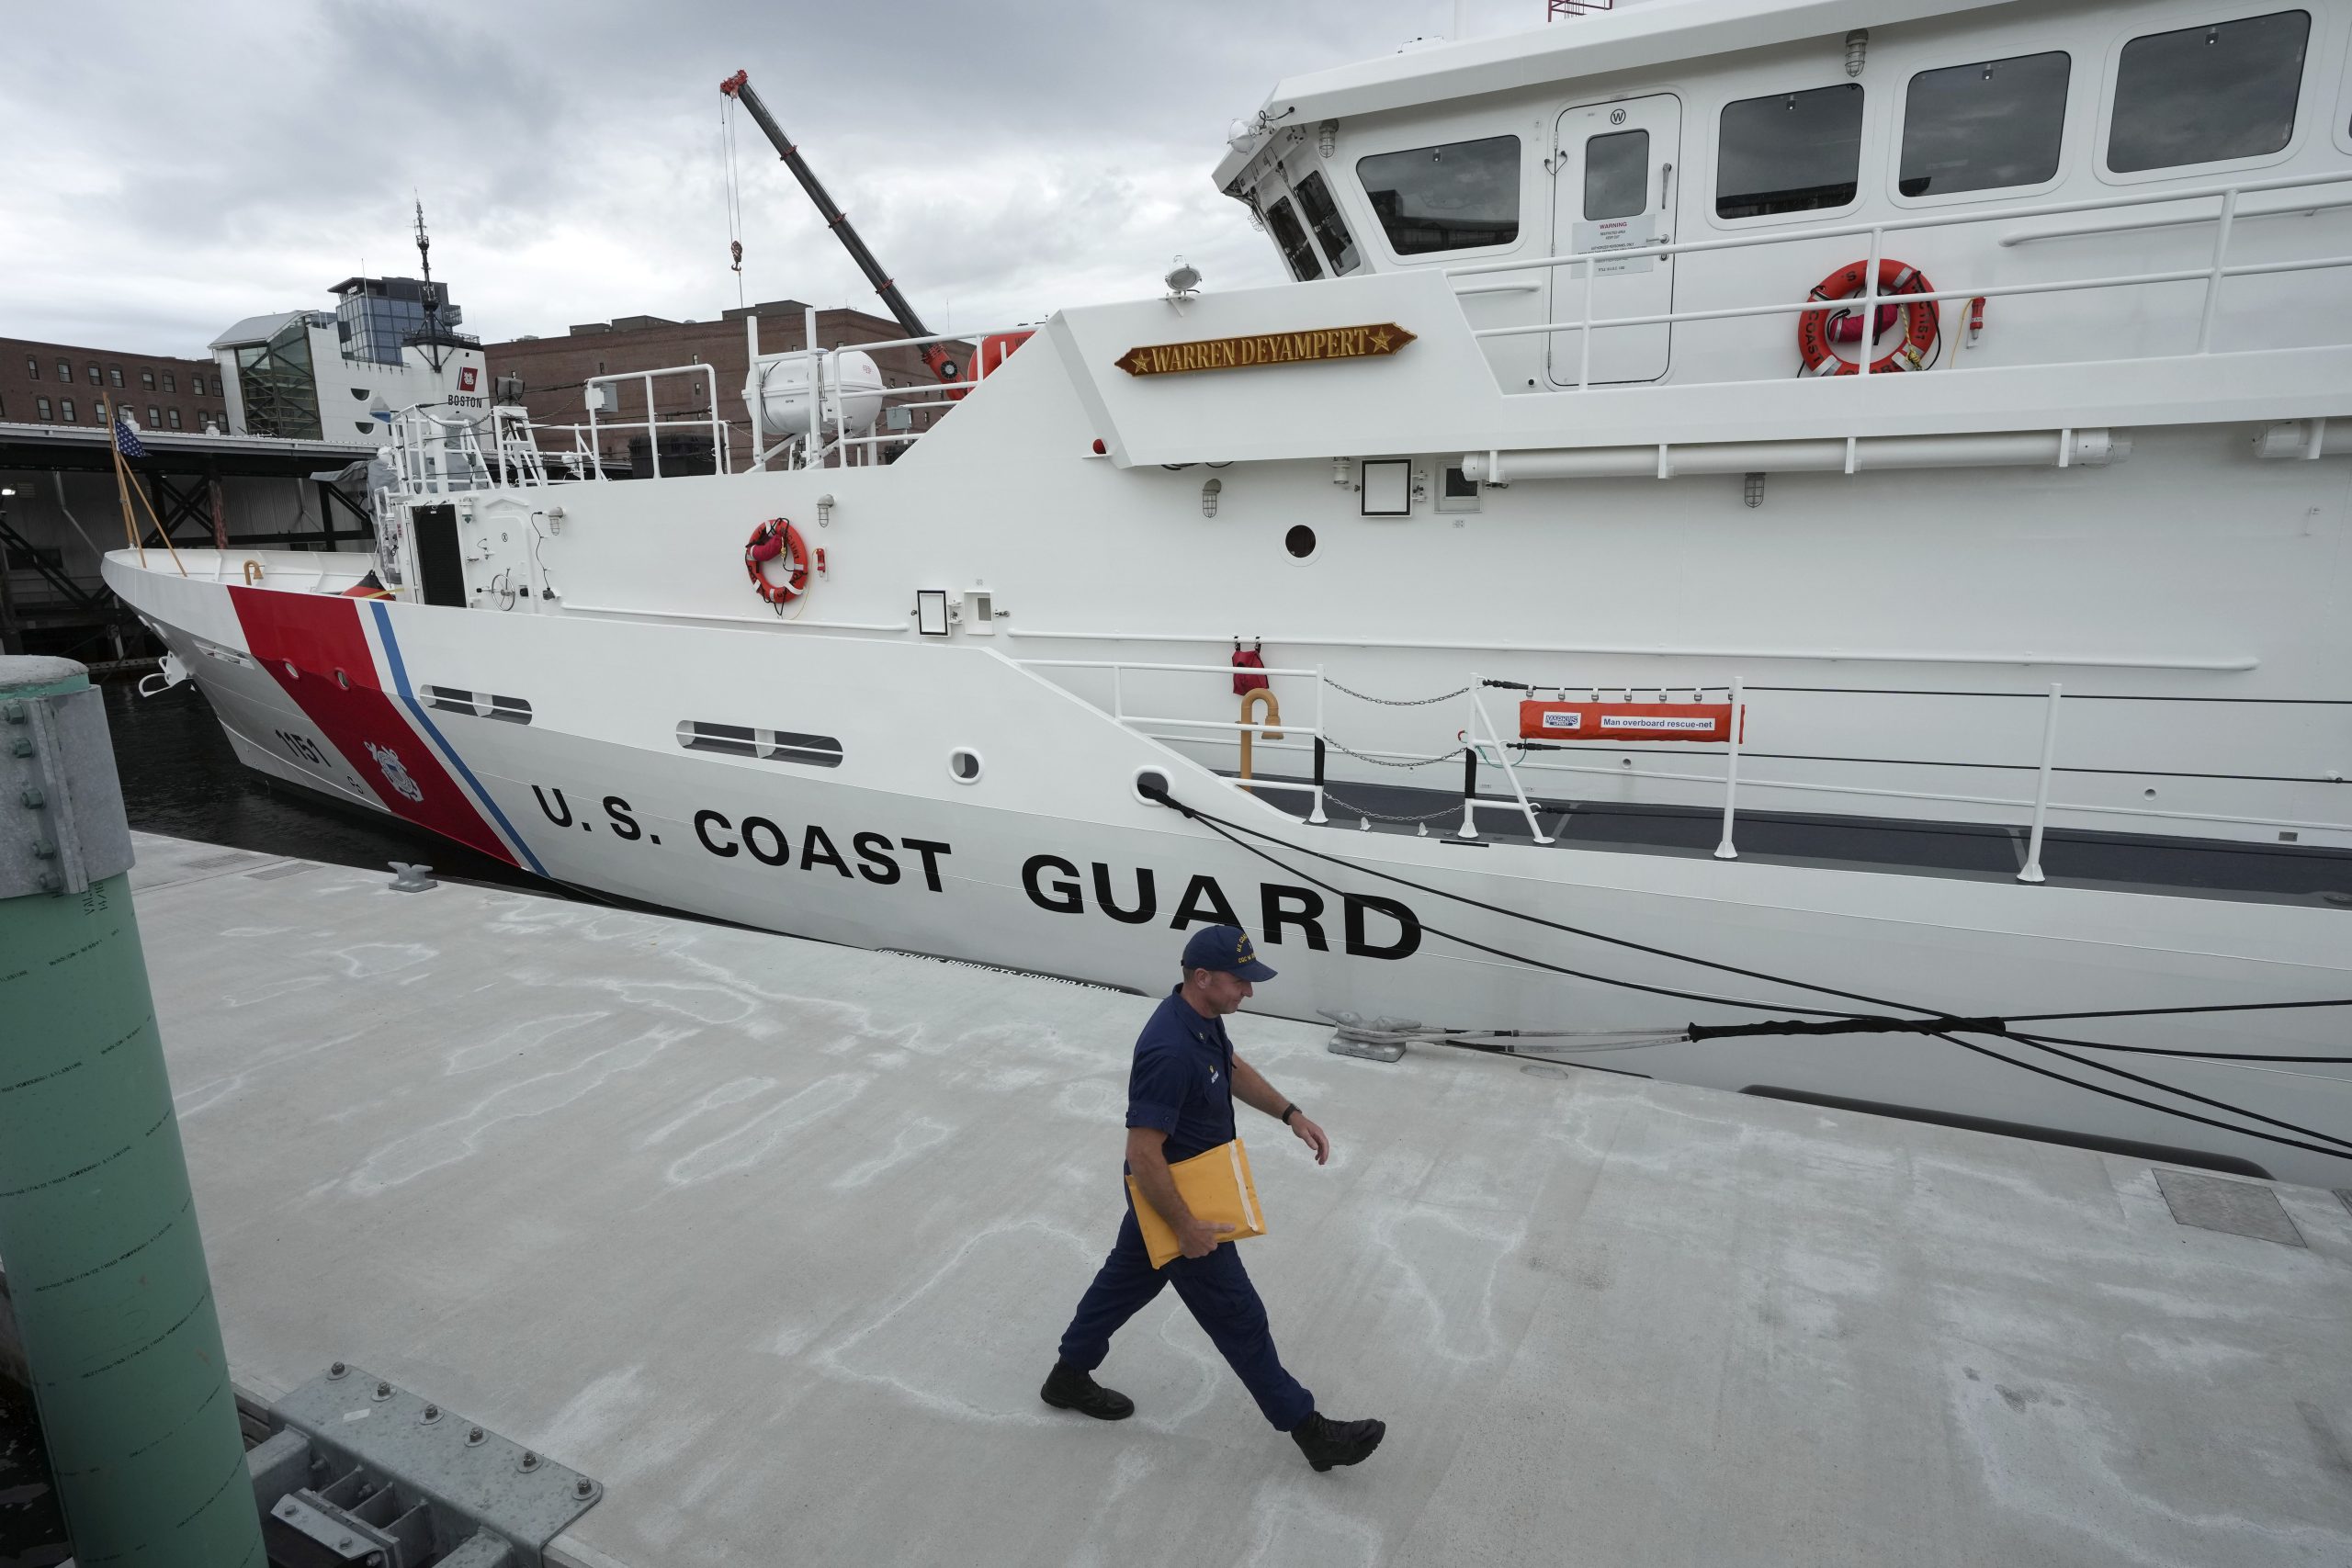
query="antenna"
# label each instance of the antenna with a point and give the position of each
(432, 294)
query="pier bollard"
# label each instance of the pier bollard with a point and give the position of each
(97, 1225)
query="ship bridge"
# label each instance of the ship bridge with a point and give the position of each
(1672, 194)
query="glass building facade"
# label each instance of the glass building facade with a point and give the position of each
(377, 315)
(280, 391)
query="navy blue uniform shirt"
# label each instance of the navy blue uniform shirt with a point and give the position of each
(1182, 1079)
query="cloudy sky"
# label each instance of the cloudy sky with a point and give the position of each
(176, 167)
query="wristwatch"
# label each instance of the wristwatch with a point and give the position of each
(1289, 1111)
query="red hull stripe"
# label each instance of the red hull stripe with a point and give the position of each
(314, 647)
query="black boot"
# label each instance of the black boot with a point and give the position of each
(1067, 1388)
(1325, 1442)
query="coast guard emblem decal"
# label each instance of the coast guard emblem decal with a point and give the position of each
(389, 762)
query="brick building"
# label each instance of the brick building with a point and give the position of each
(56, 383)
(553, 369)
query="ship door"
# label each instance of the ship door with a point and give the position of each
(440, 564)
(1613, 189)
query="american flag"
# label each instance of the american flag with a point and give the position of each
(127, 440)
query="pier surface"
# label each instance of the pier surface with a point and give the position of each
(776, 1238)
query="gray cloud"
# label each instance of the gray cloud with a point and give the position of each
(201, 164)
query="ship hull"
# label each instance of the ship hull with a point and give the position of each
(1050, 861)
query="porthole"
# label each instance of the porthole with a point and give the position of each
(1150, 779)
(342, 680)
(292, 673)
(1299, 541)
(963, 765)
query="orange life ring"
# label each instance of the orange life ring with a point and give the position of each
(1921, 320)
(774, 537)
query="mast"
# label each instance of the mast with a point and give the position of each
(432, 294)
(935, 354)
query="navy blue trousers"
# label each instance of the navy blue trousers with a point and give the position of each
(1223, 1302)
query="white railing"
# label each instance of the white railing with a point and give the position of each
(2216, 271)
(1257, 729)
(1481, 740)
(433, 453)
(706, 418)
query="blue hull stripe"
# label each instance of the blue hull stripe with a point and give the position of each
(400, 680)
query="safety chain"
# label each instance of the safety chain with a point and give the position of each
(1392, 702)
(1383, 816)
(1387, 762)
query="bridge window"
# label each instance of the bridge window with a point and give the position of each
(1616, 175)
(1323, 217)
(1296, 252)
(2207, 94)
(1457, 196)
(1984, 127)
(1790, 153)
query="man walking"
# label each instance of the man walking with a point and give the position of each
(1180, 1103)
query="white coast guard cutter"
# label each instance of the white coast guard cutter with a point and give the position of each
(1902, 446)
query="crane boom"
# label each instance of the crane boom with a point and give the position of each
(935, 354)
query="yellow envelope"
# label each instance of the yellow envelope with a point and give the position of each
(1217, 1186)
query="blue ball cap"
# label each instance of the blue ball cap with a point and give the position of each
(1224, 948)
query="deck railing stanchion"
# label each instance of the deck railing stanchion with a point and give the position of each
(1583, 335)
(1468, 828)
(808, 363)
(1511, 775)
(1317, 816)
(1724, 851)
(1870, 316)
(2032, 872)
(2213, 279)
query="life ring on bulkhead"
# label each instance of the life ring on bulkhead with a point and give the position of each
(774, 537)
(1817, 329)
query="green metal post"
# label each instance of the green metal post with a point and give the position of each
(97, 1225)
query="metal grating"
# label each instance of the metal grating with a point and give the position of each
(2241, 1208)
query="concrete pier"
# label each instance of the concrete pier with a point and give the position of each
(775, 1239)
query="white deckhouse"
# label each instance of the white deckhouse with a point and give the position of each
(1754, 514)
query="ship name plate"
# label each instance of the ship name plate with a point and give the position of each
(1372, 342)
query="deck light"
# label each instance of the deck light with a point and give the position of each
(1182, 279)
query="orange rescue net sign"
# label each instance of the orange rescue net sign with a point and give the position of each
(1624, 721)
